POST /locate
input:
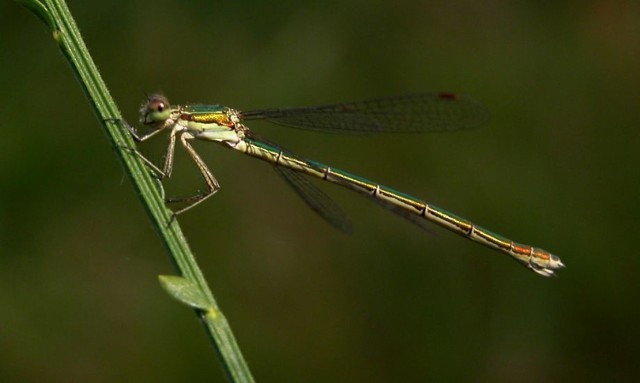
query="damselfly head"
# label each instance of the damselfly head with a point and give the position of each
(155, 111)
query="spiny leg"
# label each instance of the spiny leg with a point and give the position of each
(134, 134)
(167, 167)
(209, 179)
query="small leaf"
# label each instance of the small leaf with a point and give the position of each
(185, 291)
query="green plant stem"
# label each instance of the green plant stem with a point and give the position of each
(65, 32)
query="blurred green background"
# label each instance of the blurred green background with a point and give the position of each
(557, 167)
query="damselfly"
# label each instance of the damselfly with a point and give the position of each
(426, 112)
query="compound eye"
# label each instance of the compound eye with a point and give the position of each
(157, 109)
(157, 106)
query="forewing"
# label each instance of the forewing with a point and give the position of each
(415, 113)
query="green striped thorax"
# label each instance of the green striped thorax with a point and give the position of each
(204, 122)
(157, 110)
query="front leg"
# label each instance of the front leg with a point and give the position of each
(210, 181)
(134, 134)
(167, 168)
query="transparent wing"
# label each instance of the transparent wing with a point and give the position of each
(322, 204)
(415, 113)
(316, 199)
(414, 219)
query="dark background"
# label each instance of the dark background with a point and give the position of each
(557, 167)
